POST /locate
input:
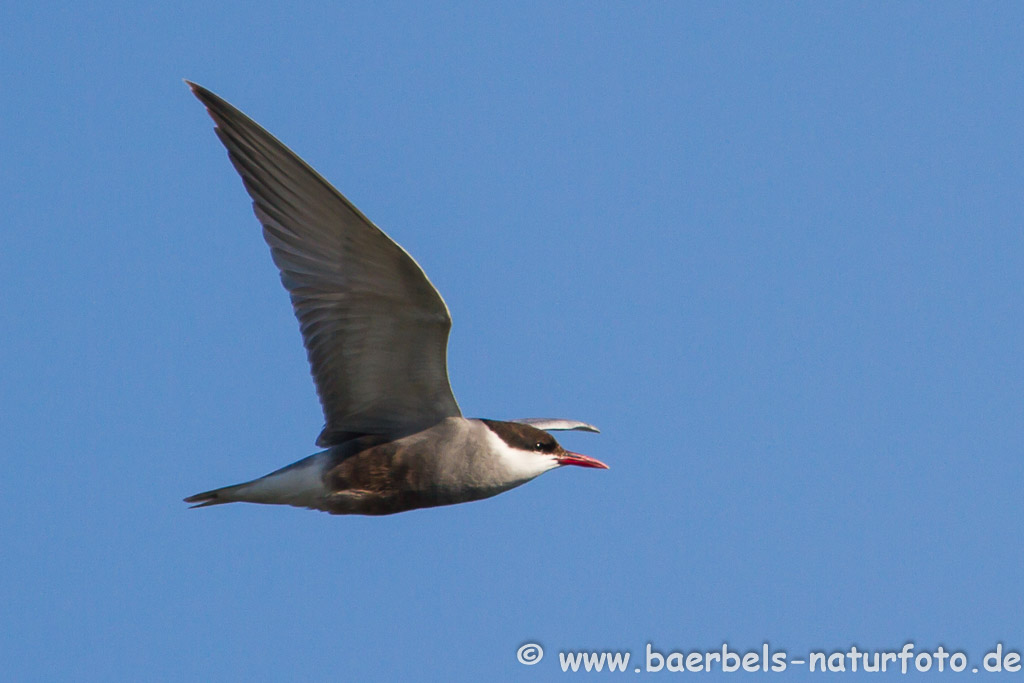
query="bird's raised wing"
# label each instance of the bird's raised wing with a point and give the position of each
(375, 329)
(554, 424)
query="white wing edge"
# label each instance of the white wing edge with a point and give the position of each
(552, 424)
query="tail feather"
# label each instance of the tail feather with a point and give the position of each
(214, 497)
(299, 484)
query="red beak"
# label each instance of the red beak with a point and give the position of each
(570, 458)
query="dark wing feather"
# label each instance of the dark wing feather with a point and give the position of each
(375, 329)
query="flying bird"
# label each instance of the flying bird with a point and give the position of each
(376, 334)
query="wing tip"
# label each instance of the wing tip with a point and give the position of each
(197, 90)
(558, 424)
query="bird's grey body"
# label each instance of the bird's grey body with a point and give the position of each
(376, 333)
(376, 475)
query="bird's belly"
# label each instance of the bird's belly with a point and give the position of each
(363, 502)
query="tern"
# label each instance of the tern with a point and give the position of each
(376, 334)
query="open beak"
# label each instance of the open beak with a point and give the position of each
(570, 458)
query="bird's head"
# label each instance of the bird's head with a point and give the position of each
(527, 452)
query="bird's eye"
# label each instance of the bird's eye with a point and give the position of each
(538, 446)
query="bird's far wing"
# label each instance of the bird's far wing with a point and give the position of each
(374, 327)
(554, 424)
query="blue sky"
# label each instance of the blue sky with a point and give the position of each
(773, 250)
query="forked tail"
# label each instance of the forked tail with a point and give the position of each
(215, 497)
(300, 484)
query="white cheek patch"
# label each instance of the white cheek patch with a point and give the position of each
(519, 465)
